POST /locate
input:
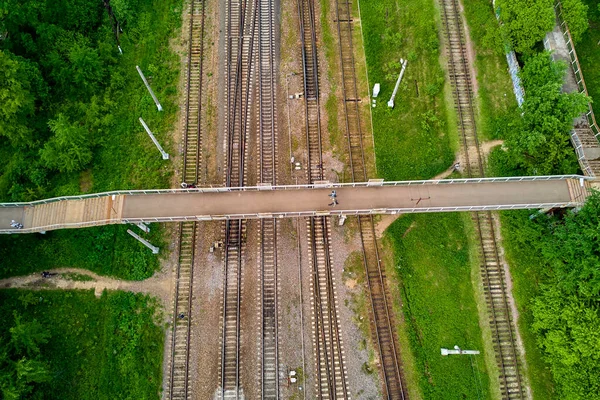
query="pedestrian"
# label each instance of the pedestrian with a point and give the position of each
(333, 194)
(45, 274)
(191, 186)
(184, 185)
(181, 316)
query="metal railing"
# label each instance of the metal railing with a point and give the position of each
(576, 66)
(318, 185)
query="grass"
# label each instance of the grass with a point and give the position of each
(411, 140)
(589, 53)
(495, 97)
(100, 348)
(107, 250)
(433, 263)
(125, 159)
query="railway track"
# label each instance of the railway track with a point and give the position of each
(381, 312)
(491, 269)
(267, 175)
(178, 387)
(331, 374)
(239, 39)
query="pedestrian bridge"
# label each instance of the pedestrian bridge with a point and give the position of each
(219, 203)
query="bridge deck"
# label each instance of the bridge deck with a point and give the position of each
(290, 202)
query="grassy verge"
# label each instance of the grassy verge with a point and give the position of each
(434, 266)
(495, 97)
(411, 140)
(106, 348)
(125, 157)
(107, 250)
(589, 53)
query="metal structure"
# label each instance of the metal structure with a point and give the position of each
(267, 175)
(192, 139)
(383, 326)
(149, 88)
(330, 371)
(164, 154)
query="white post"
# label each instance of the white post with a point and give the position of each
(391, 102)
(143, 227)
(149, 89)
(144, 242)
(458, 350)
(165, 156)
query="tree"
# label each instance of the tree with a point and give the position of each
(17, 100)
(21, 364)
(70, 149)
(575, 14)
(525, 22)
(539, 141)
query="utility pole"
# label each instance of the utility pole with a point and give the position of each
(144, 241)
(149, 89)
(165, 156)
(391, 102)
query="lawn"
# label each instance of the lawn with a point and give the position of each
(411, 140)
(434, 266)
(99, 348)
(106, 250)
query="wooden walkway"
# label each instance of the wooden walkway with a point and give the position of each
(294, 201)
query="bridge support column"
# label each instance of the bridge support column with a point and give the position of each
(144, 241)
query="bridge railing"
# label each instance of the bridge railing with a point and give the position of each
(298, 214)
(576, 66)
(318, 185)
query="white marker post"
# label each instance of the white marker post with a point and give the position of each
(458, 350)
(391, 102)
(149, 89)
(165, 155)
(144, 241)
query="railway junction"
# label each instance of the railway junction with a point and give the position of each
(251, 185)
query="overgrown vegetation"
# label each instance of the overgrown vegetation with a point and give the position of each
(434, 264)
(411, 140)
(495, 99)
(587, 51)
(561, 256)
(525, 22)
(537, 141)
(69, 121)
(107, 250)
(72, 345)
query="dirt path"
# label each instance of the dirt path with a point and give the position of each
(73, 278)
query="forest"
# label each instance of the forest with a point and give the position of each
(69, 121)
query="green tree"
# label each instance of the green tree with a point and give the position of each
(18, 102)
(539, 141)
(569, 334)
(525, 22)
(576, 16)
(70, 149)
(21, 364)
